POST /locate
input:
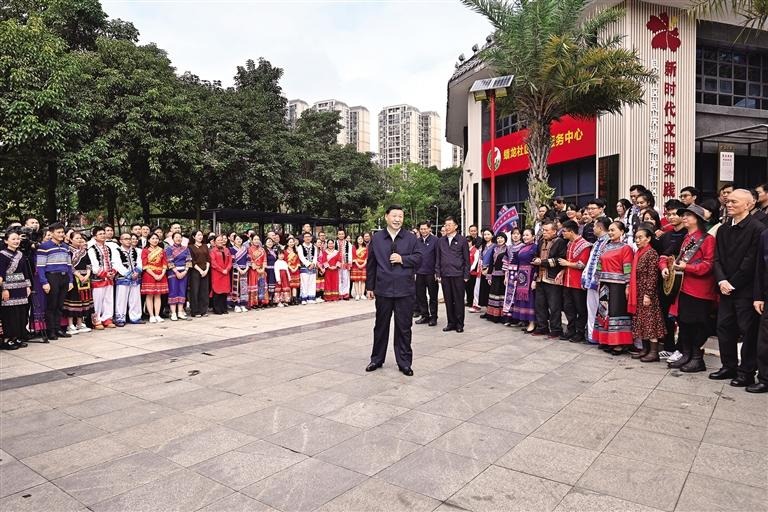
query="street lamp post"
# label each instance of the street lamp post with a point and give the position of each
(490, 89)
(437, 216)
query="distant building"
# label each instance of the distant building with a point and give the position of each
(355, 121)
(360, 128)
(294, 111)
(408, 135)
(457, 156)
(343, 110)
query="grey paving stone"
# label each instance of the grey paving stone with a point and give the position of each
(442, 381)
(305, 486)
(707, 493)
(366, 413)
(160, 431)
(691, 384)
(404, 395)
(314, 436)
(509, 416)
(69, 459)
(433, 472)
(503, 489)
(237, 502)
(673, 452)
(28, 423)
(506, 379)
(248, 464)
(196, 398)
(202, 445)
(610, 391)
(228, 409)
(109, 479)
(462, 404)
(602, 409)
(368, 453)
(736, 405)
(635, 375)
(16, 477)
(10, 408)
(6, 457)
(537, 396)
(418, 427)
(679, 424)
(579, 429)
(102, 405)
(579, 500)
(631, 480)
(326, 378)
(378, 496)
(83, 393)
(737, 435)
(160, 390)
(363, 387)
(42, 497)
(128, 384)
(321, 402)
(470, 370)
(479, 442)
(130, 416)
(266, 422)
(550, 460)
(678, 402)
(732, 464)
(39, 441)
(182, 490)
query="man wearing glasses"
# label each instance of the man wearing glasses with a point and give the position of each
(689, 196)
(595, 209)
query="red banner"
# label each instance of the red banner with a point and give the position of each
(571, 139)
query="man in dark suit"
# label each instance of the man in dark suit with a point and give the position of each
(393, 257)
(425, 276)
(452, 269)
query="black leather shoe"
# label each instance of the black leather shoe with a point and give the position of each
(53, 336)
(757, 388)
(371, 367)
(723, 374)
(432, 323)
(459, 329)
(742, 381)
(565, 337)
(421, 321)
(63, 334)
(406, 371)
(448, 328)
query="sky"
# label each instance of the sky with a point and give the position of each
(363, 52)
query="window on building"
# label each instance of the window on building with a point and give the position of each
(731, 78)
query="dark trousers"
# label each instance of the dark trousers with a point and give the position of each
(427, 283)
(575, 308)
(694, 335)
(198, 293)
(737, 320)
(219, 303)
(469, 289)
(549, 307)
(762, 349)
(402, 307)
(14, 319)
(669, 323)
(59, 282)
(453, 293)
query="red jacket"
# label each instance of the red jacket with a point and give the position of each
(577, 252)
(699, 276)
(221, 266)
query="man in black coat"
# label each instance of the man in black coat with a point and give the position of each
(452, 269)
(425, 276)
(393, 257)
(549, 282)
(735, 263)
(760, 296)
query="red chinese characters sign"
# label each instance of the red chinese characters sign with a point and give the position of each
(571, 139)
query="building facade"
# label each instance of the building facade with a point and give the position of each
(710, 99)
(343, 110)
(360, 128)
(430, 151)
(355, 121)
(294, 110)
(457, 156)
(409, 135)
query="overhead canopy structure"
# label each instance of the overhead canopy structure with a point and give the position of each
(749, 136)
(217, 215)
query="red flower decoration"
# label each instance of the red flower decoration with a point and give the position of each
(665, 39)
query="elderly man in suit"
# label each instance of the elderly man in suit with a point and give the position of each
(393, 257)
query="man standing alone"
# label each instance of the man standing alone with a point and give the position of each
(452, 269)
(393, 257)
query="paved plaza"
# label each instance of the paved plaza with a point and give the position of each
(272, 410)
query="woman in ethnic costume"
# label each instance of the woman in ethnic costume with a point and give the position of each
(294, 266)
(78, 304)
(359, 261)
(496, 276)
(272, 253)
(332, 266)
(524, 300)
(321, 260)
(38, 299)
(199, 281)
(221, 268)
(613, 325)
(516, 243)
(179, 262)
(258, 295)
(697, 297)
(154, 281)
(483, 286)
(16, 282)
(239, 296)
(643, 299)
(474, 272)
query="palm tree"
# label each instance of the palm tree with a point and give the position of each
(563, 65)
(753, 12)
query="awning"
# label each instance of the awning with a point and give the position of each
(749, 136)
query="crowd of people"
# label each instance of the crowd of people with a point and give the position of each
(60, 282)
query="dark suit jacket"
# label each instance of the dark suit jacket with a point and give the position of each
(736, 255)
(452, 260)
(428, 251)
(550, 265)
(386, 279)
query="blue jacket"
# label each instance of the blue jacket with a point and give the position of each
(386, 279)
(453, 258)
(428, 248)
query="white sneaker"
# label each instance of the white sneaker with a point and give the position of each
(312, 301)
(319, 300)
(182, 316)
(159, 319)
(664, 354)
(280, 305)
(83, 328)
(174, 317)
(676, 356)
(303, 303)
(72, 330)
(153, 319)
(237, 309)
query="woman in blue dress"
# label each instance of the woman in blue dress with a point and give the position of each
(524, 298)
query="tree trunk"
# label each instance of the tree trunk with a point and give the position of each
(50, 193)
(539, 145)
(111, 207)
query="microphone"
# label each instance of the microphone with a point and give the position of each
(394, 250)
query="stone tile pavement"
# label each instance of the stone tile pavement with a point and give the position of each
(272, 410)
